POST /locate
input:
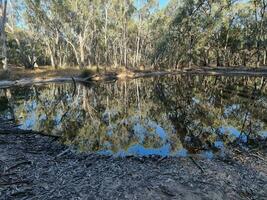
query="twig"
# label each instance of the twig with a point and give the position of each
(201, 169)
(15, 183)
(18, 164)
(161, 159)
(259, 157)
(63, 152)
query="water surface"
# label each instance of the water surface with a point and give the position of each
(168, 116)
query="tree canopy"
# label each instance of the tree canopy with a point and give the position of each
(135, 33)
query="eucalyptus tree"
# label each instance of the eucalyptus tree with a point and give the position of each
(260, 29)
(145, 13)
(83, 26)
(177, 45)
(41, 20)
(3, 15)
(206, 32)
(132, 33)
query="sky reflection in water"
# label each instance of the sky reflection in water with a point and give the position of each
(157, 116)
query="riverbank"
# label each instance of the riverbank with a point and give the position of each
(34, 166)
(21, 77)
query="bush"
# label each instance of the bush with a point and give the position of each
(86, 73)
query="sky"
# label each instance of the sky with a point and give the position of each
(163, 3)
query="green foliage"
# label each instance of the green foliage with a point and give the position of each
(134, 33)
(215, 33)
(25, 49)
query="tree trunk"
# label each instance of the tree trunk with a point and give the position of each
(82, 54)
(106, 30)
(75, 51)
(218, 63)
(125, 36)
(52, 59)
(190, 64)
(137, 51)
(3, 34)
(257, 34)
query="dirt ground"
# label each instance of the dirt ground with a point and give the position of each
(45, 72)
(17, 73)
(39, 167)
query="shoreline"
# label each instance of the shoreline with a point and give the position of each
(133, 75)
(36, 166)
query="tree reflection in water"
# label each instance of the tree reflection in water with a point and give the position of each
(154, 116)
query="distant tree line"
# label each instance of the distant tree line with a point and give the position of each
(135, 33)
(214, 32)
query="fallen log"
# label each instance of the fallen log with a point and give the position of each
(133, 75)
(86, 80)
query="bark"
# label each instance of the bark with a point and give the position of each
(106, 29)
(257, 35)
(75, 51)
(52, 59)
(125, 37)
(82, 53)
(3, 34)
(137, 62)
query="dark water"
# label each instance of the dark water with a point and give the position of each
(170, 116)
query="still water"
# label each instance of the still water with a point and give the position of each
(167, 116)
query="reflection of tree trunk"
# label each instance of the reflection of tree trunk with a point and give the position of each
(178, 122)
(263, 82)
(244, 60)
(8, 95)
(125, 96)
(138, 98)
(264, 57)
(84, 99)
